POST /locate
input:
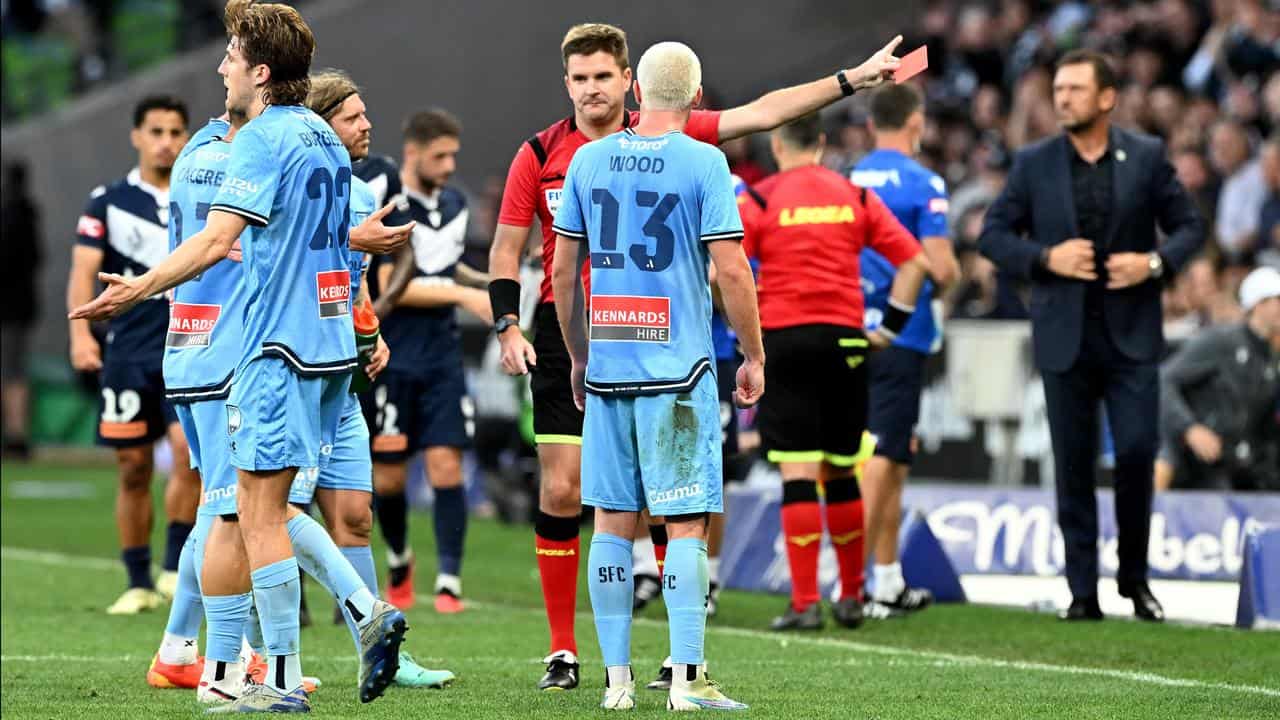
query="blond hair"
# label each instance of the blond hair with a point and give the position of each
(329, 89)
(669, 75)
(591, 38)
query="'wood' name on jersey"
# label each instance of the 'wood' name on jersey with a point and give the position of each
(647, 207)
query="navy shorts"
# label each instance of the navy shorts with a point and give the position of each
(132, 410)
(411, 411)
(897, 378)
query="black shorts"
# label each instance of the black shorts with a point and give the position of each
(815, 394)
(132, 410)
(410, 411)
(556, 420)
(897, 378)
(727, 382)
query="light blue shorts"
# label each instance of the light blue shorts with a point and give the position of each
(278, 419)
(350, 466)
(204, 424)
(659, 451)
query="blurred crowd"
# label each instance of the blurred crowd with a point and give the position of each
(1201, 75)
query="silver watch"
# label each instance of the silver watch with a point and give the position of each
(1155, 264)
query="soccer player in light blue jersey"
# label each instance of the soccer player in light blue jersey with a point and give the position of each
(288, 176)
(918, 198)
(650, 206)
(344, 487)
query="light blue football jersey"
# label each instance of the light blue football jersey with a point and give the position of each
(363, 204)
(647, 206)
(206, 319)
(290, 177)
(917, 196)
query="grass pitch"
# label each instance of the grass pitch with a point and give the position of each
(63, 657)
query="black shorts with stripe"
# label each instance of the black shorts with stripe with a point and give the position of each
(555, 418)
(815, 400)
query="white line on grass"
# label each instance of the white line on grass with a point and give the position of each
(55, 558)
(944, 658)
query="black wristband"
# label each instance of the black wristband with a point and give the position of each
(845, 87)
(504, 297)
(895, 318)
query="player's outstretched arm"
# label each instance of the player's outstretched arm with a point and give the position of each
(738, 291)
(197, 254)
(86, 354)
(373, 237)
(782, 106)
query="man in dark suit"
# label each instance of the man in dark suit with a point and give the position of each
(1077, 220)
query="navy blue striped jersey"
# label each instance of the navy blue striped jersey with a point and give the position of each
(128, 221)
(418, 335)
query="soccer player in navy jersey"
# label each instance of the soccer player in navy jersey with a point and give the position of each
(124, 230)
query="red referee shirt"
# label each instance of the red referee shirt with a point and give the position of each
(537, 176)
(807, 227)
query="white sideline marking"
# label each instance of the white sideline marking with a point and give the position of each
(55, 558)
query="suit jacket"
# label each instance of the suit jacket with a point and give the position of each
(1036, 210)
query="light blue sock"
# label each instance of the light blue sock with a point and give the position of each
(685, 584)
(277, 589)
(361, 558)
(611, 585)
(320, 558)
(253, 632)
(186, 612)
(227, 615)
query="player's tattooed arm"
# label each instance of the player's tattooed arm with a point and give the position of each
(86, 354)
(393, 280)
(197, 254)
(781, 106)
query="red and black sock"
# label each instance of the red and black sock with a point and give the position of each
(558, 548)
(845, 523)
(658, 534)
(802, 527)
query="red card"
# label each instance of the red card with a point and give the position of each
(912, 64)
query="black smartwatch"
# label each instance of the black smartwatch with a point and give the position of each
(503, 323)
(846, 89)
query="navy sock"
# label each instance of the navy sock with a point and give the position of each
(450, 512)
(393, 511)
(176, 536)
(137, 562)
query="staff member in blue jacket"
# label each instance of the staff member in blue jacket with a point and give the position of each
(1078, 220)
